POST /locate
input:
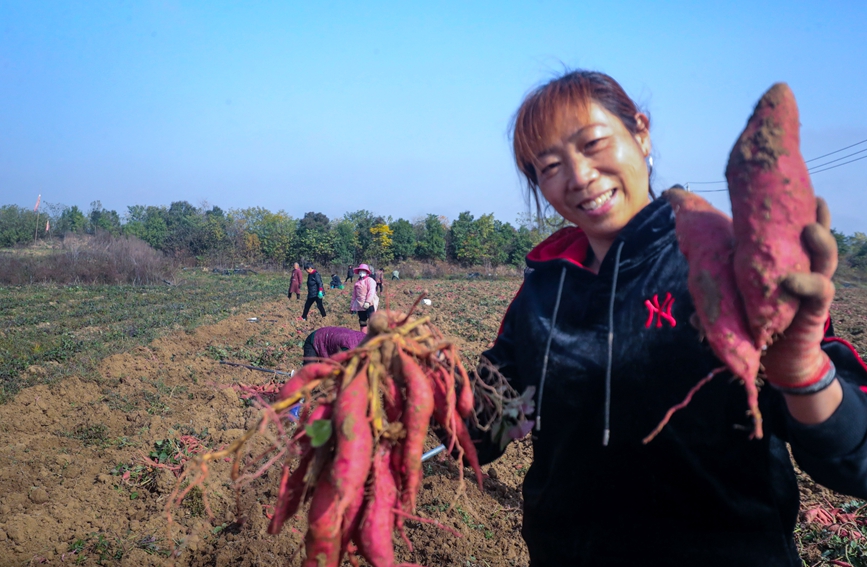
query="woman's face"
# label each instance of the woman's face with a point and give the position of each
(593, 171)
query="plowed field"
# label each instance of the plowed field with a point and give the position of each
(76, 489)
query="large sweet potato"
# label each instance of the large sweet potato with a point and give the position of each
(706, 238)
(772, 201)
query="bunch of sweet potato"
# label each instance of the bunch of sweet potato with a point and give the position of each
(736, 266)
(365, 419)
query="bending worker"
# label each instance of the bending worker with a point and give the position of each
(326, 341)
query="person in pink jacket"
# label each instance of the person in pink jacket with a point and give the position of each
(295, 282)
(364, 298)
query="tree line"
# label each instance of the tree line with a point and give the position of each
(256, 235)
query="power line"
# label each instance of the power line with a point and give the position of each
(815, 169)
(836, 151)
(836, 160)
(838, 165)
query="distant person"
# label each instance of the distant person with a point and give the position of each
(315, 291)
(335, 282)
(364, 298)
(395, 275)
(328, 341)
(349, 274)
(378, 279)
(295, 282)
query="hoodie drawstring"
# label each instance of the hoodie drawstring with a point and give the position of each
(548, 349)
(607, 432)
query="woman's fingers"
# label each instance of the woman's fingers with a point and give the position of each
(823, 213)
(815, 290)
(822, 247)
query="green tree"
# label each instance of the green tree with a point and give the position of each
(843, 246)
(156, 231)
(345, 241)
(182, 221)
(403, 239)
(523, 243)
(101, 219)
(432, 240)
(213, 236)
(363, 221)
(501, 243)
(858, 247)
(71, 220)
(466, 242)
(17, 225)
(314, 239)
(147, 223)
(255, 233)
(277, 236)
(243, 224)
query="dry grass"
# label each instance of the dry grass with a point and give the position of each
(100, 259)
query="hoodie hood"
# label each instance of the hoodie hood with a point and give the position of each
(642, 237)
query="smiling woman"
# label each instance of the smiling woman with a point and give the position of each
(582, 142)
(601, 330)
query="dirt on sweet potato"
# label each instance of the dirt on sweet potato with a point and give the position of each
(772, 201)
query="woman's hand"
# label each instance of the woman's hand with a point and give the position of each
(796, 359)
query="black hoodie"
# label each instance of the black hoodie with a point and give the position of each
(701, 493)
(314, 284)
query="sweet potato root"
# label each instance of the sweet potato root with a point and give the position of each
(772, 201)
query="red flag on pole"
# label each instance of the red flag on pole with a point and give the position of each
(39, 198)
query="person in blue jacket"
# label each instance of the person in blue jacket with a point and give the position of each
(600, 329)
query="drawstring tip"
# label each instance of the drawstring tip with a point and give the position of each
(538, 423)
(605, 436)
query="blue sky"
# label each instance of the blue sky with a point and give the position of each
(401, 108)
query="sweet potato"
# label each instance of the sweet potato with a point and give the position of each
(304, 376)
(291, 492)
(374, 533)
(466, 401)
(354, 447)
(772, 201)
(393, 399)
(441, 415)
(322, 541)
(457, 431)
(706, 237)
(416, 418)
(352, 517)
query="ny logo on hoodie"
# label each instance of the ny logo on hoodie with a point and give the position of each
(661, 312)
